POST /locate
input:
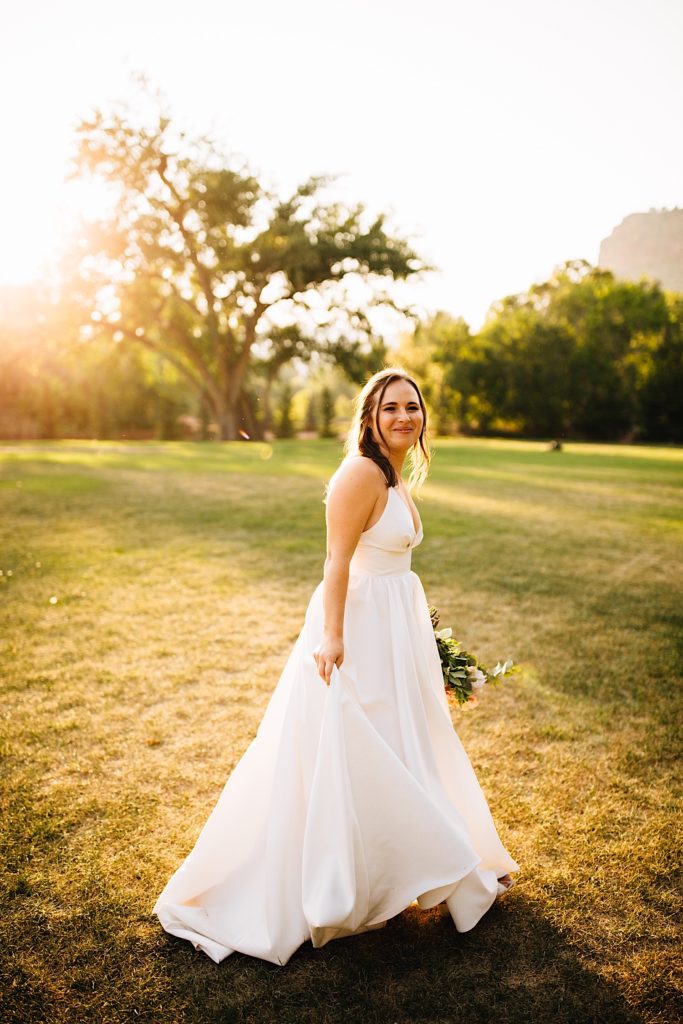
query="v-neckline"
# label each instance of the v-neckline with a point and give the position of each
(410, 511)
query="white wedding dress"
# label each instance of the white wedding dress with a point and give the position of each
(352, 800)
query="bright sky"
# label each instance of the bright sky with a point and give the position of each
(506, 135)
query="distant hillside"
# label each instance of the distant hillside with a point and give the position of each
(647, 243)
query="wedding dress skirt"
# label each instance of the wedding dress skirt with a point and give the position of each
(352, 800)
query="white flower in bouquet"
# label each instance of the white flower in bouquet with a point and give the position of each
(463, 675)
(476, 677)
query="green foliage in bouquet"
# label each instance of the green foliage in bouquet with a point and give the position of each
(463, 674)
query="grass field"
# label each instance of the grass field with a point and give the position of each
(149, 596)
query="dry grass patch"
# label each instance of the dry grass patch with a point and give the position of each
(181, 574)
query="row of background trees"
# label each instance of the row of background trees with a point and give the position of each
(206, 305)
(582, 355)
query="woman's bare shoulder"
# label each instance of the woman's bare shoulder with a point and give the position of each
(361, 468)
(357, 473)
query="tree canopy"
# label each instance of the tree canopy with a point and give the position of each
(200, 263)
(580, 355)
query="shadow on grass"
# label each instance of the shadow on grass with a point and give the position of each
(513, 968)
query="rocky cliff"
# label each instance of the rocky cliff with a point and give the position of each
(647, 243)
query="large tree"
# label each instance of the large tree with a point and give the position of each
(199, 262)
(580, 355)
(438, 353)
(608, 319)
(561, 358)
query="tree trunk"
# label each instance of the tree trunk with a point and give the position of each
(266, 402)
(231, 419)
(234, 412)
(226, 420)
(248, 420)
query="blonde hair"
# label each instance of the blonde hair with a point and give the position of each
(361, 440)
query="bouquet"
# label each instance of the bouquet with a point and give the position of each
(463, 675)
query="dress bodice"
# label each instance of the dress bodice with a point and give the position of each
(385, 548)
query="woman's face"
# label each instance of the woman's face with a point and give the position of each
(399, 417)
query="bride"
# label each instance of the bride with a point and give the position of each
(356, 796)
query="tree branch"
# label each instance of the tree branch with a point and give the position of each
(195, 356)
(161, 351)
(203, 272)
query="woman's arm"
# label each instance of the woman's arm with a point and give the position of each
(349, 505)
